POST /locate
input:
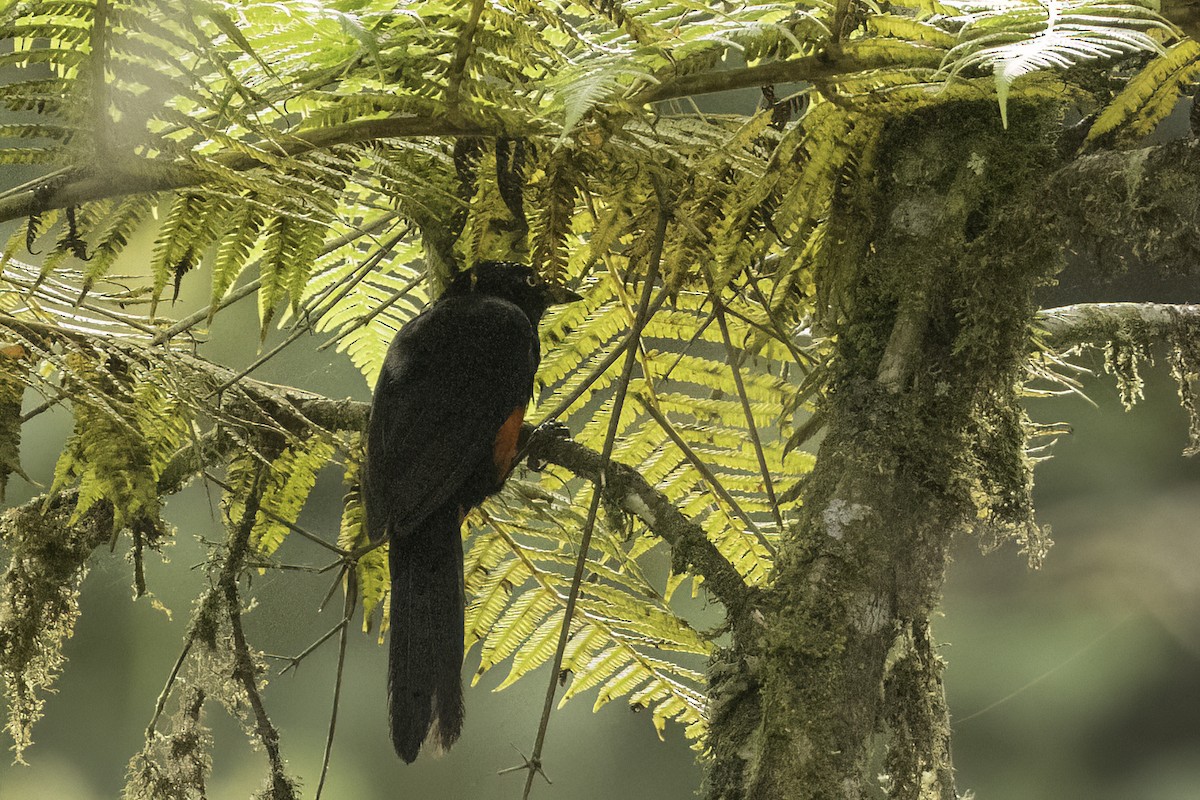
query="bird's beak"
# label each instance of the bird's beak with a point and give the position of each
(561, 294)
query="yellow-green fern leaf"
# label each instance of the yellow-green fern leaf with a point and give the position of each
(107, 463)
(1151, 94)
(243, 226)
(289, 481)
(371, 570)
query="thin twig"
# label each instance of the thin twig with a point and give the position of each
(347, 612)
(166, 690)
(601, 368)
(253, 286)
(264, 564)
(244, 670)
(55, 292)
(294, 661)
(780, 335)
(43, 407)
(347, 566)
(705, 472)
(684, 350)
(312, 537)
(365, 319)
(768, 484)
(631, 350)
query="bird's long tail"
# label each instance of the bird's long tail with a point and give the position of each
(426, 653)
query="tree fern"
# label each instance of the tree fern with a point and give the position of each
(290, 479)
(107, 460)
(110, 241)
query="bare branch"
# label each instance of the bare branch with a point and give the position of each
(1096, 323)
(244, 670)
(347, 613)
(166, 690)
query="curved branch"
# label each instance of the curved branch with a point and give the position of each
(1177, 326)
(245, 671)
(817, 68)
(80, 187)
(687, 540)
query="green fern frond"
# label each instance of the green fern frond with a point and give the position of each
(179, 246)
(366, 319)
(108, 459)
(1022, 36)
(523, 617)
(518, 596)
(120, 223)
(289, 480)
(580, 88)
(273, 270)
(555, 197)
(371, 570)
(42, 95)
(910, 29)
(242, 229)
(30, 155)
(1151, 94)
(927, 7)
(161, 414)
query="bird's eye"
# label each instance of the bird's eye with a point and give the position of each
(531, 280)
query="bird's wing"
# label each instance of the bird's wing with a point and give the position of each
(450, 380)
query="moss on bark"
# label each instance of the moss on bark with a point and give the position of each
(835, 690)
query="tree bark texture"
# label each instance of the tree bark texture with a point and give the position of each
(834, 688)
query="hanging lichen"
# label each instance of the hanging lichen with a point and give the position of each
(39, 603)
(1123, 355)
(175, 764)
(1184, 357)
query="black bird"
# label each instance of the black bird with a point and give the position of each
(445, 419)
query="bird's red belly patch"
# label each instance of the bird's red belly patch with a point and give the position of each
(504, 451)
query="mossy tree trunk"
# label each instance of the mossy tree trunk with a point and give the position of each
(833, 688)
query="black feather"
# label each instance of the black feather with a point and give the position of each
(426, 650)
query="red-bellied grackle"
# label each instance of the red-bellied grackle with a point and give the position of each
(445, 419)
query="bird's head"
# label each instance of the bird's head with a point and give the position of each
(514, 282)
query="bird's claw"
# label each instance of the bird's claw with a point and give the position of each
(552, 429)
